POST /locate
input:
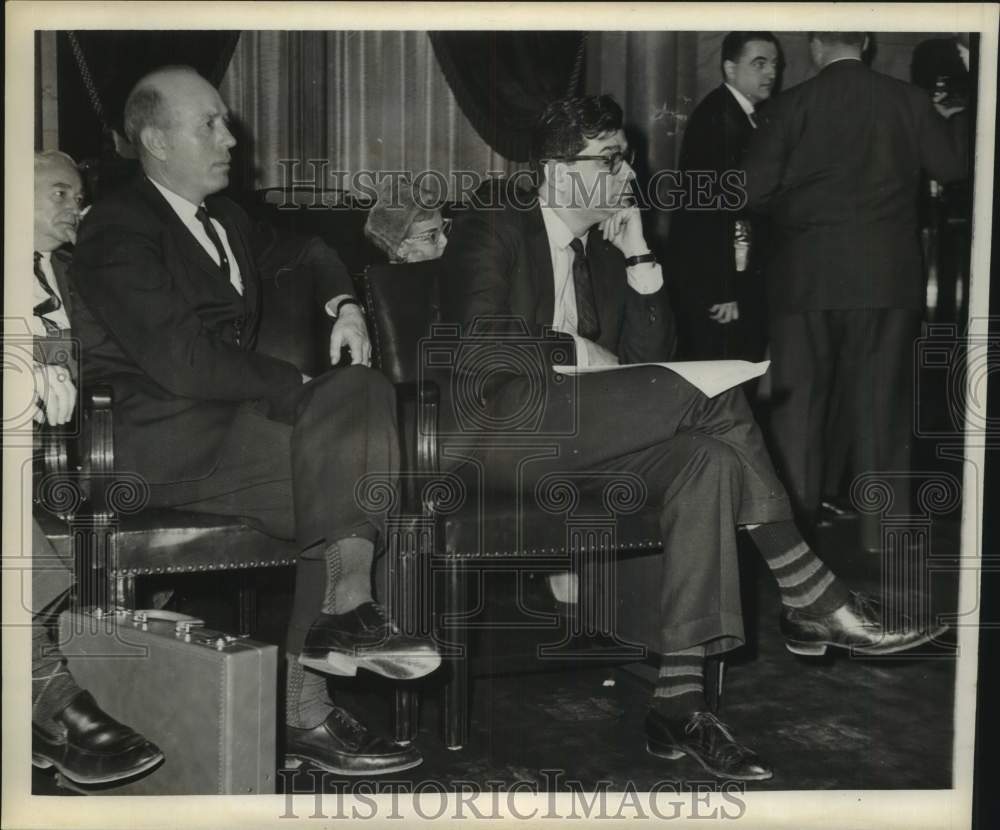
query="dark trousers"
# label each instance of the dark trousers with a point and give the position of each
(291, 470)
(51, 578)
(703, 463)
(854, 367)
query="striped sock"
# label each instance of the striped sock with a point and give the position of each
(804, 581)
(680, 686)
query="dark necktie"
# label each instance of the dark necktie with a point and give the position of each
(47, 306)
(202, 216)
(587, 325)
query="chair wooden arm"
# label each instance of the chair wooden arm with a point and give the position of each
(97, 461)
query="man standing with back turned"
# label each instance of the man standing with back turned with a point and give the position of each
(170, 307)
(836, 164)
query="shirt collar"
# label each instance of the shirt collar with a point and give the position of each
(45, 256)
(745, 103)
(847, 58)
(182, 207)
(560, 236)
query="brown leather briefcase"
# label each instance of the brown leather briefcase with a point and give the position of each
(205, 698)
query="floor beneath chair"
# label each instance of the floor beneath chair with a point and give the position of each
(823, 724)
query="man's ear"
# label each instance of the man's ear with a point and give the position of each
(557, 174)
(729, 70)
(154, 142)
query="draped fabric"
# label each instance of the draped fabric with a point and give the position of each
(654, 76)
(114, 61)
(503, 80)
(358, 101)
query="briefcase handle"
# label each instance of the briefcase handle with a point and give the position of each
(182, 622)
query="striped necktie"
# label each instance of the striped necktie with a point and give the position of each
(46, 306)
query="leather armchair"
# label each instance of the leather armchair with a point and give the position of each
(447, 535)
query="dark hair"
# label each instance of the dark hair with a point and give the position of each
(734, 43)
(846, 38)
(566, 125)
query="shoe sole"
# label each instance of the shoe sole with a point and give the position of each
(296, 761)
(394, 668)
(673, 752)
(45, 763)
(819, 649)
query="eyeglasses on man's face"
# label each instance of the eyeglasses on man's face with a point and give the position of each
(613, 161)
(432, 235)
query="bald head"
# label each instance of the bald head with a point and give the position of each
(178, 124)
(58, 199)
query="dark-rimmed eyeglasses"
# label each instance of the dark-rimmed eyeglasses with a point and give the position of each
(613, 161)
(434, 234)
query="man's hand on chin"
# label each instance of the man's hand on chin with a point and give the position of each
(350, 330)
(624, 230)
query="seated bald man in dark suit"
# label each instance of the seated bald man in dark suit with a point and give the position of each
(572, 257)
(170, 304)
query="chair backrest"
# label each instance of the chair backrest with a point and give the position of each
(404, 302)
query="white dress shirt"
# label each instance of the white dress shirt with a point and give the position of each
(645, 278)
(186, 211)
(59, 316)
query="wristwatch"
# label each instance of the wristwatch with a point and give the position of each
(344, 302)
(638, 260)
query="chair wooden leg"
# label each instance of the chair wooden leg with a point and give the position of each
(406, 715)
(715, 668)
(456, 633)
(124, 592)
(246, 611)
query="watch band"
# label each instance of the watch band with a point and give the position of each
(638, 260)
(343, 302)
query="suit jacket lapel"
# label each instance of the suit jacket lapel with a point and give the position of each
(540, 265)
(60, 267)
(190, 248)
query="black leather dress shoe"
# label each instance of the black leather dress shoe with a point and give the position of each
(706, 739)
(365, 638)
(343, 745)
(856, 625)
(95, 748)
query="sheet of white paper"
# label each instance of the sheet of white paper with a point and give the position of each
(710, 376)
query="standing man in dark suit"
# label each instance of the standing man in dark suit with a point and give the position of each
(170, 303)
(572, 258)
(836, 164)
(718, 284)
(69, 730)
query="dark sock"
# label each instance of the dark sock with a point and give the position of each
(52, 685)
(680, 687)
(804, 581)
(307, 703)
